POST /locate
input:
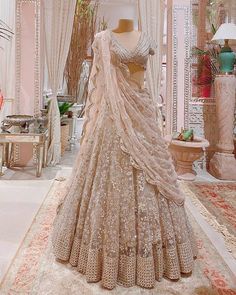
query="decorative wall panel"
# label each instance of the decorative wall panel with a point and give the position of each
(28, 53)
(28, 94)
(202, 119)
(178, 65)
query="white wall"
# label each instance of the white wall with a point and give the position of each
(7, 49)
(112, 11)
(7, 57)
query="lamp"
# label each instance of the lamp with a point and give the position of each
(226, 32)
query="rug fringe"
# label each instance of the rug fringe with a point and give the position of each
(230, 240)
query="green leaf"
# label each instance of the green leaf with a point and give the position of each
(64, 107)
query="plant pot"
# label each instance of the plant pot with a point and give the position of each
(65, 131)
(79, 127)
(70, 114)
(205, 90)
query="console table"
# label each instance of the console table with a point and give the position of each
(39, 140)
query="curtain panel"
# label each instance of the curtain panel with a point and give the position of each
(58, 21)
(151, 21)
(7, 58)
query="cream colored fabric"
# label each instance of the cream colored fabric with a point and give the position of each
(133, 114)
(151, 17)
(123, 219)
(58, 23)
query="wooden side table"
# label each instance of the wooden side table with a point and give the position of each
(39, 140)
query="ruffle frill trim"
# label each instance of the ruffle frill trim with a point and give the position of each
(131, 270)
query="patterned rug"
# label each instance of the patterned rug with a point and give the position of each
(35, 271)
(217, 202)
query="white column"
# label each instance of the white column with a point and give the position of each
(223, 163)
(178, 64)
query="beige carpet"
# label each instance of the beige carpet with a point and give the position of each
(35, 271)
(216, 201)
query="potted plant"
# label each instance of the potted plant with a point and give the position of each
(204, 75)
(208, 67)
(65, 128)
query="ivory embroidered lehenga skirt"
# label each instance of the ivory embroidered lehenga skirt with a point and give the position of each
(114, 225)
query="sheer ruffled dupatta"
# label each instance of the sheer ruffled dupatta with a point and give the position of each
(113, 225)
(134, 116)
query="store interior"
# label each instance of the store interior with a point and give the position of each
(46, 59)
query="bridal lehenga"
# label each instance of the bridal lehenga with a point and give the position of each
(123, 219)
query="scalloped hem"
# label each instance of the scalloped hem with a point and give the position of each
(129, 271)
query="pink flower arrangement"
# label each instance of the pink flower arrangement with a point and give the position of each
(1, 99)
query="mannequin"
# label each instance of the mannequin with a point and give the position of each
(129, 38)
(125, 25)
(123, 202)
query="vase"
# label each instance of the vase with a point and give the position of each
(227, 60)
(184, 153)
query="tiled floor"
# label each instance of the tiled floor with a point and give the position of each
(21, 195)
(19, 203)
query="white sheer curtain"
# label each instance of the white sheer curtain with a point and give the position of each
(7, 58)
(58, 23)
(151, 19)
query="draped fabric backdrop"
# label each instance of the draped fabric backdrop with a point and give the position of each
(151, 20)
(58, 23)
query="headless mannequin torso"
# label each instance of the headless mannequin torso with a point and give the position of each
(129, 38)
